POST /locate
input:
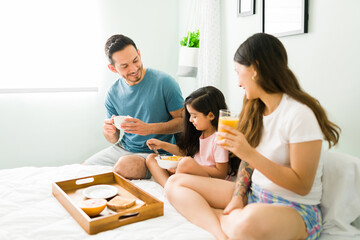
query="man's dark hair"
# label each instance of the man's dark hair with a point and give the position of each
(116, 43)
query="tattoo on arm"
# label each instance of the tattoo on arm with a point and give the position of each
(243, 179)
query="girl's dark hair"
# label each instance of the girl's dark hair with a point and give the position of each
(234, 163)
(117, 43)
(269, 58)
(205, 100)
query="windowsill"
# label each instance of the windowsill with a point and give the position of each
(48, 90)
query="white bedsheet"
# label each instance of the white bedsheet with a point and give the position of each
(28, 210)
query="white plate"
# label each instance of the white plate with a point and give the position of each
(100, 191)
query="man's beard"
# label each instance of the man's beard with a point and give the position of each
(138, 78)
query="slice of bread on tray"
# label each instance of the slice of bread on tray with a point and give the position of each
(120, 203)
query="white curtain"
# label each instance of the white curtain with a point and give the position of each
(209, 53)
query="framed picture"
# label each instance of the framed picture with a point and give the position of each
(283, 18)
(246, 7)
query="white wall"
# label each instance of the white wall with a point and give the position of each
(51, 129)
(187, 84)
(325, 60)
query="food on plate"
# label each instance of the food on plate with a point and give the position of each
(119, 203)
(168, 162)
(93, 207)
(172, 158)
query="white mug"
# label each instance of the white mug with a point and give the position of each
(118, 120)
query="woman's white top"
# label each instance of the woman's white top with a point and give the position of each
(291, 122)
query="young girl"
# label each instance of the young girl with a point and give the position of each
(197, 141)
(280, 135)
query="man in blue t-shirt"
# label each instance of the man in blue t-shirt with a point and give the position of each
(153, 101)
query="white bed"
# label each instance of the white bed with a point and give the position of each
(28, 210)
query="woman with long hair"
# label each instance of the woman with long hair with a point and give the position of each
(279, 140)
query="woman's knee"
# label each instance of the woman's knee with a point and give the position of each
(173, 182)
(246, 223)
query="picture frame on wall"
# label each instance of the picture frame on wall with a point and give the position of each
(246, 7)
(284, 18)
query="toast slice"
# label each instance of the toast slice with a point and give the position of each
(120, 203)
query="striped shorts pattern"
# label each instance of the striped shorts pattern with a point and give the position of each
(310, 213)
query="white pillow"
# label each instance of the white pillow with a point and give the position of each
(340, 203)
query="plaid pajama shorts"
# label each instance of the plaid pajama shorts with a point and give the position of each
(310, 213)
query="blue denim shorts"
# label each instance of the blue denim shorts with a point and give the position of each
(310, 213)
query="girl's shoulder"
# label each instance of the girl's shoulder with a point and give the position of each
(210, 138)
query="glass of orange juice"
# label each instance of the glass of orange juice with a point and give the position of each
(228, 118)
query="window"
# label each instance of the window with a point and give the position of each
(51, 45)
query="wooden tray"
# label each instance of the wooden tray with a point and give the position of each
(69, 194)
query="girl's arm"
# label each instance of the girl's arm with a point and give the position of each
(221, 168)
(298, 177)
(219, 171)
(169, 147)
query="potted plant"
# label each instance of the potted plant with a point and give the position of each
(194, 40)
(188, 56)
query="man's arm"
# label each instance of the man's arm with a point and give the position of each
(175, 125)
(137, 126)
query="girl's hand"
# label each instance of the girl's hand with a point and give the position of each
(235, 203)
(154, 143)
(235, 142)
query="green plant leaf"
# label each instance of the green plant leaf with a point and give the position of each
(194, 39)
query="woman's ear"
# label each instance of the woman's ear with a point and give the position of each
(112, 68)
(254, 76)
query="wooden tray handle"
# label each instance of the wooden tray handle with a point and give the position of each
(128, 215)
(84, 181)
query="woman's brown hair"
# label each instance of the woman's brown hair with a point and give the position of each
(269, 58)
